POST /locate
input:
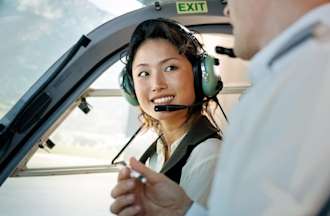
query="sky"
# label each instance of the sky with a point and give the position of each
(35, 33)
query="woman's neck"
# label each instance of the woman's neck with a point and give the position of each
(173, 130)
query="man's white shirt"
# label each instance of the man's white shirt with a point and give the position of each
(276, 154)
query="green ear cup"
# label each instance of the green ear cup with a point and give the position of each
(211, 83)
(127, 87)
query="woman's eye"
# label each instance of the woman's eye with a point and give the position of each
(143, 74)
(170, 68)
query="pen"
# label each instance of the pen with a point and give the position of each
(133, 173)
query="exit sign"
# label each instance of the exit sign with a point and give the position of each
(191, 7)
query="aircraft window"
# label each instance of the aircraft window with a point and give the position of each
(86, 139)
(110, 78)
(38, 32)
(93, 139)
(95, 130)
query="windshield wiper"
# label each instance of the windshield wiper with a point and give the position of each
(37, 104)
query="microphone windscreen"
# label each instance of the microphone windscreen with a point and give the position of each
(169, 108)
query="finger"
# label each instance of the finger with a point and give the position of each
(124, 173)
(152, 177)
(121, 202)
(130, 211)
(123, 187)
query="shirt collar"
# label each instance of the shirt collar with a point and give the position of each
(160, 146)
(260, 62)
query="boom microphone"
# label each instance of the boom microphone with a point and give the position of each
(169, 108)
(175, 107)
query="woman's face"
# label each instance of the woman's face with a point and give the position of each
(162, 76)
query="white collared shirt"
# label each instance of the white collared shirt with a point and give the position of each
(198, 172)
(156, 161)
(276, 155)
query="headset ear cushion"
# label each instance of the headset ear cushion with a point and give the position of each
(127, 87)
(211, 83)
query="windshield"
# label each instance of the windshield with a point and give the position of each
(38, 32)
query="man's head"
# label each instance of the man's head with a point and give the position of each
(257, 22)
(242, 14)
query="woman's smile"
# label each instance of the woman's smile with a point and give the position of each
(163, 100)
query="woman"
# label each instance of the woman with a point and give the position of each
(164, 69)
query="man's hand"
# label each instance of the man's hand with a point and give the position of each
(158, 196)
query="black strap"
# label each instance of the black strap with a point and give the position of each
(149, 152)
(125, 146)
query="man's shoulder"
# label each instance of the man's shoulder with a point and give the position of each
(314, 37)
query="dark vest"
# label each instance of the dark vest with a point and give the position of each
(200, 131)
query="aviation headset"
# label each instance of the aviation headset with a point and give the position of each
(206, 82)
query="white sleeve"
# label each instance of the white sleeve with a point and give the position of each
(196, 210)
(198, 172)
(275, 159)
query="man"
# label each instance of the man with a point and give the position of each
(276, 152)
